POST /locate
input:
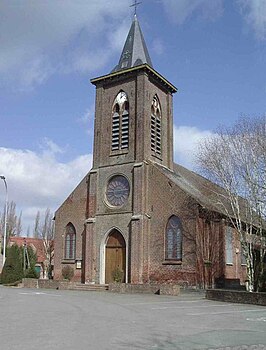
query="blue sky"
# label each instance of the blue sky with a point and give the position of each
(213, 50)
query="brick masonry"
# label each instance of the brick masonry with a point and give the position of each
(146, 288)
(236, 296)
(153, 197)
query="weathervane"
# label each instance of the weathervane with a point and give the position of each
(135, 5)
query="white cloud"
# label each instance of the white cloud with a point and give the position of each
(186, 143)
(88, 116)
(36, 36)
(254, 12)
(158, 46)
(87, 119)
(37, 181)
(117, 37)
(35, 72)
(85, 59)
(179, 11)
(50, 148)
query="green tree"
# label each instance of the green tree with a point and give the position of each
(20, 262)
(13, 269)
(29, 262)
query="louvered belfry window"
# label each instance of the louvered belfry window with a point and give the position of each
(120, 122)
(70, 242)
(173, 239)
(156, 146)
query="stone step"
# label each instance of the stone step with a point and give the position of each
(91, 287)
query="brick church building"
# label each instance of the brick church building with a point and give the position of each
(138, 217)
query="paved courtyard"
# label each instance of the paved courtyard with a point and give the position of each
(55, 319)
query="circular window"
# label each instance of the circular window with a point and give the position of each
(117, 190)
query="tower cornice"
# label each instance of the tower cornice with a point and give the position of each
(144, 67)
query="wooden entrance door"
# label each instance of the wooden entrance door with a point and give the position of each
(115, 258)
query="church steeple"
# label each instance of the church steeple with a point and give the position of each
(135, 51)
(133, 110)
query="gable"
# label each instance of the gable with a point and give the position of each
(77, 195)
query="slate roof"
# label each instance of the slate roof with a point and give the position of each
(135, 52)
(203, 191)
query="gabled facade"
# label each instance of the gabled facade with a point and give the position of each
(137, 217)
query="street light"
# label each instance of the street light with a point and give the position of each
(5, 222)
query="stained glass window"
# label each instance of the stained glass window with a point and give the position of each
(174, 239)
(70, 242)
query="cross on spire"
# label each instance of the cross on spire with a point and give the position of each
(136, 3)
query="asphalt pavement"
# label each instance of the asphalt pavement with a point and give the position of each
(62, 320)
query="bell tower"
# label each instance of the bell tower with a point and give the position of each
(133, 125)
(133, 112)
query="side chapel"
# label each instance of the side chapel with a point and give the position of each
(137, 214)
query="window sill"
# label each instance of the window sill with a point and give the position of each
(158, 156)
(172, 262)
(68, 261)
(118, 152)
(229, 264)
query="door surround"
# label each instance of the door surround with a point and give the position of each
(103, 252)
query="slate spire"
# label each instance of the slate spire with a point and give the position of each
(135, 51)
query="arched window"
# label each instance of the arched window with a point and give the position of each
(173, 239)
(120, 122)
(70, 242)
(229, 245)
(156, 127)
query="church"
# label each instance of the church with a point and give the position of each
(137, 217)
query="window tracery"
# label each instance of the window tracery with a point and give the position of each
(70, 242)
(120, 122)
(173, 239)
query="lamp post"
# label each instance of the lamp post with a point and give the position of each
(5, 222)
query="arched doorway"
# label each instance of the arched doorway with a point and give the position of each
(115, 258)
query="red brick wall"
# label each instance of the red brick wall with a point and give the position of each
(236, 270)
(140, 89)
(73, 210)
(153, 197)
(164, 200)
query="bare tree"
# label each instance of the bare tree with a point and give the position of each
(28, 231)
(11, 219)
(235, 159)
(46, 233)
(209, 248)
(36, 230)
(205, 241)
(19, 225)
(14, 226)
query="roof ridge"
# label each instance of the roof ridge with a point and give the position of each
(192, 189)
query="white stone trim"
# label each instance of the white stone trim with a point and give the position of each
(136, 217)
(138, 164)
(90, 220)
